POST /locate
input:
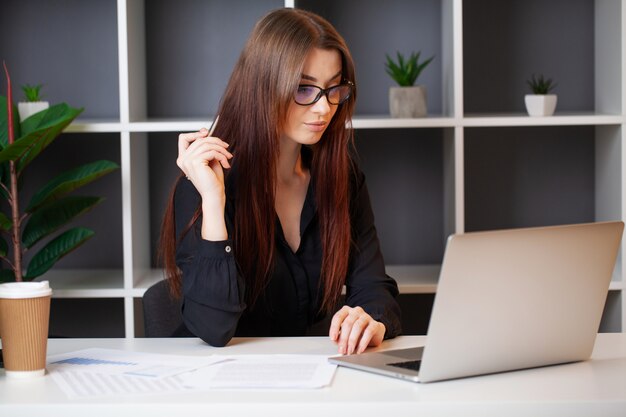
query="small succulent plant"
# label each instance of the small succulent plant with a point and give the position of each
(32, 92)
(406, 71)
(540, 85)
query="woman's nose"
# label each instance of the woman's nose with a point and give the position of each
(321, 106)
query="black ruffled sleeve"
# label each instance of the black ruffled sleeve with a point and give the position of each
(212, 288)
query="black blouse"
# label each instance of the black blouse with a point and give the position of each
(213, 302)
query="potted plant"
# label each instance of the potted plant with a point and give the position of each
(49, 209)
(407, 100)
(33, 103)
(540, 102)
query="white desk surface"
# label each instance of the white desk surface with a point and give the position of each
(592, 388)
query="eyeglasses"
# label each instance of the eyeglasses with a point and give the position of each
(310, 94)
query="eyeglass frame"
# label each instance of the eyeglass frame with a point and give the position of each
(325, 91)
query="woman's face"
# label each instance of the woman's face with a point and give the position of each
(306, 124)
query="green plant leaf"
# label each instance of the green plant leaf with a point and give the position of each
(48, 118)
(7, 275)
(56, 249)
(51, 217)
(69, 181)
(4, 126)
(32, 92)
(5, 222)
(540, 85)
(4, 247)
(405, 72)
(37, 132)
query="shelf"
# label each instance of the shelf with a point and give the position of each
(146, 280)
(359, 122)
(415, 279)
(559, 119)
(179, 125)
(94, 126)
(86, 283)
(386, 122)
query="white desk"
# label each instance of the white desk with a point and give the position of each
(592, 388)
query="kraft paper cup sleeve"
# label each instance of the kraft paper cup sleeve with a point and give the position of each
(24, 319)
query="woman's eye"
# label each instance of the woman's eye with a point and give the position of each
(303, 89)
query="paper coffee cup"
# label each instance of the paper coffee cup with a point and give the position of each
(24, 318)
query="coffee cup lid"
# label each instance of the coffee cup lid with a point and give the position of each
(25, 289)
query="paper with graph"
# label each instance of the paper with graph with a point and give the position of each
(93, 373)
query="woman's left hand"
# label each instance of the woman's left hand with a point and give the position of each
(354, 330)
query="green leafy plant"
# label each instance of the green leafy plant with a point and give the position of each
(51, 207)
(406, 71)
(540, 85)
(32, 92)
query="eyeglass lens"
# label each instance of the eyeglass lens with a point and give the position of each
(309, 94)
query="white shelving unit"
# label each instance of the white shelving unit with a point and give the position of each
(608, 119)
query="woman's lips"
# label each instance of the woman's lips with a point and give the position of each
(316, 126)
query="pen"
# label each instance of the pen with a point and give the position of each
(214, 124)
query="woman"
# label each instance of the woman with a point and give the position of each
(274, 217)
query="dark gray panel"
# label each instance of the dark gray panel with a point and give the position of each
(191, 48)
(611, 319)
(523, 177)
(104, 250)
(505, 42)
(162, 152)
(416, 310)
(70, 46)
(404, 172)
(89, 317)
(373, 28)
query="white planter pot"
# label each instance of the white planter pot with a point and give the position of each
(27, 109)
(540, 104)
(407, 102)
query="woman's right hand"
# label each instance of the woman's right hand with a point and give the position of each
(202, 158)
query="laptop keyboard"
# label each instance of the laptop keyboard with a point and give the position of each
(413, 365)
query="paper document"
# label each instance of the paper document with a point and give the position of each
(93, 373)
(93, 385)
(263, 371)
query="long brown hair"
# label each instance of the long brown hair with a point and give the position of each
(252, 116)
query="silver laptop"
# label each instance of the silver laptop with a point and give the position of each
(510, 299)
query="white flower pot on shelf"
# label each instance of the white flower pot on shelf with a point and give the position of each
(28, 108)
(540, 104)
(407, 102)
